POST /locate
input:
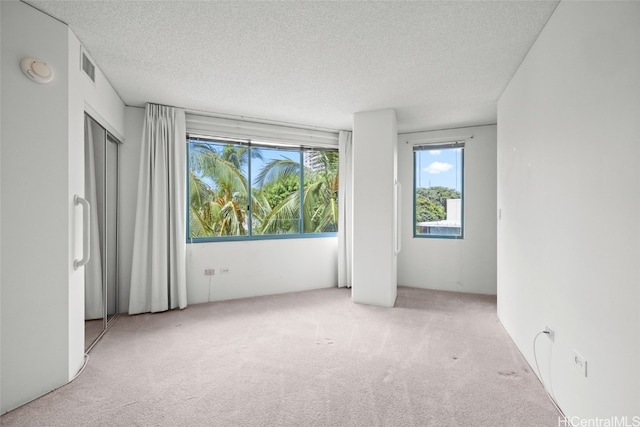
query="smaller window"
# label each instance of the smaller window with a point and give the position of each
(438, 190)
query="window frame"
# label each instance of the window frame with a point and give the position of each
(253, 144)
(444, 145)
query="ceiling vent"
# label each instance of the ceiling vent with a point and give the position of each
(88, 67)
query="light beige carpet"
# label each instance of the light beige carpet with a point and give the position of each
(304, 359)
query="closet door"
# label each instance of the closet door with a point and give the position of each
(101, 190)
(110, 272)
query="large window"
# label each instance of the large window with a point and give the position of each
(438, 190)
(244, 190)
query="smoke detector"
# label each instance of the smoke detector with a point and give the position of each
(36, 70)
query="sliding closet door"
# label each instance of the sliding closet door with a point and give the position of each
(95, 138)
(111, 227)
(101, 190)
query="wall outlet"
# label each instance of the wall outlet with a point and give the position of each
(551, 333)
(209, 272)
(225, 270)
(581, 362)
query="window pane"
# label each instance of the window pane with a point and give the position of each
(320, 191)
(218, 191)
(438, 191)
(275, 175)
(241, 190)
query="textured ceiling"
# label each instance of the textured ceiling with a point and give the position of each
(439, 64)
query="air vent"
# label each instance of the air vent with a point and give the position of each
(88, 67)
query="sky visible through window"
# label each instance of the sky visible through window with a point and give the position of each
(439, 168)
(269, 154)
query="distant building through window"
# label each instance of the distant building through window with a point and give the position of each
(240, 190)
(438, 190)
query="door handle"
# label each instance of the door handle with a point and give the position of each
(398, 218)
(86, 231)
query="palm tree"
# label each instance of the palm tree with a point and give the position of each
(219, 190)
(319, 203)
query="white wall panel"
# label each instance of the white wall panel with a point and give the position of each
(35, 209)
(569, 237)
(260, 267)
(374, 173)
(469, 264)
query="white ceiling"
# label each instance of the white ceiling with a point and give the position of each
(439, 64)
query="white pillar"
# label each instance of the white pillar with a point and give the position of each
(375, 140)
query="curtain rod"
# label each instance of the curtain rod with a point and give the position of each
(443, 140)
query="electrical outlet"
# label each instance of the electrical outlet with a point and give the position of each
(225, 270)
(550, 332)
(209, 272)
(581, 362)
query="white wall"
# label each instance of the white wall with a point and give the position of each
(569, 237)
(374, 270)
(1, 406)
(34, 274)
(42, 168)
(260, 267)
(467, 265)
(35, 205)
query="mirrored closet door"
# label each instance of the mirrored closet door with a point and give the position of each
(101, 190)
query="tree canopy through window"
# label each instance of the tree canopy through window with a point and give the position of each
(243, 190)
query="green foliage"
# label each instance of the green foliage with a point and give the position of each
(218, 190)
(431, 203)
(320, 194)
(276, 191)
(219, 193)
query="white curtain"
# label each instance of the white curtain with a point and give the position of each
(345, 204)
(158, 272)
(93, 290)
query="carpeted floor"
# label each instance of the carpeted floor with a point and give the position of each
(304, 359)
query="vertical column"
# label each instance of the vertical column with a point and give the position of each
(375, 140)
(35, 276)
